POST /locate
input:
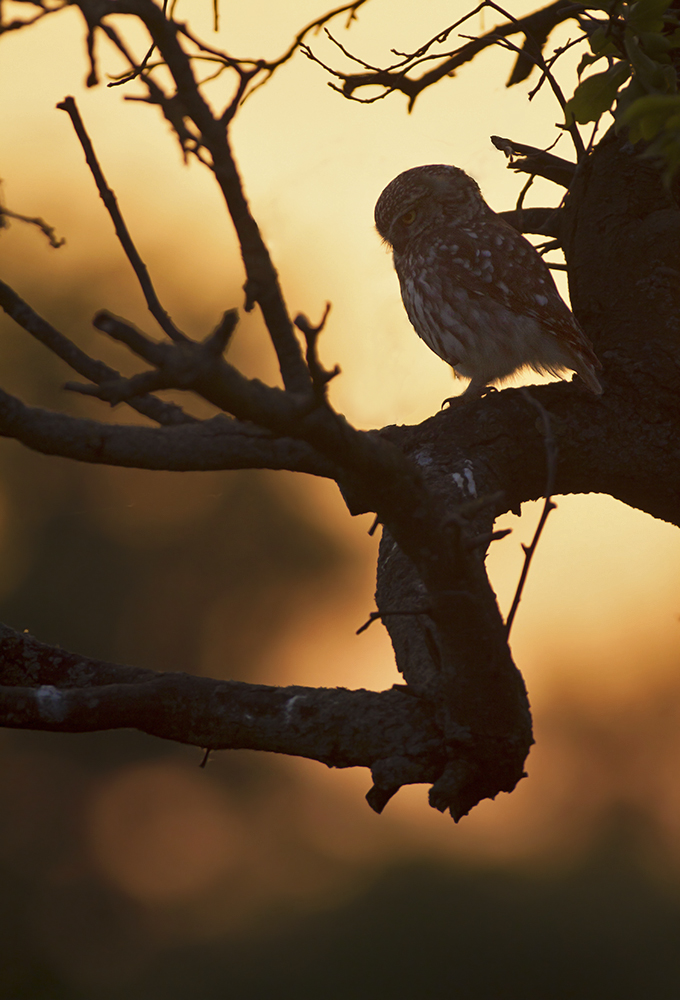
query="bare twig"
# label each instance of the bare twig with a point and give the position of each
(519, 204)
(552, 60)
(535, 161)
(270, 68)
(262, 284)
(108, 197)
(17, 24)
(484, 540)
(395, 78)
(376, 616)
(33, 221)
(551, 466)
(537, 57)
(320, 375)
(137, 71)
(96, 371)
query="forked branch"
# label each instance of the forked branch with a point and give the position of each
(535, 27)
(467, 744)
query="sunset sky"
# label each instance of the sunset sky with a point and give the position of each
(598, 628)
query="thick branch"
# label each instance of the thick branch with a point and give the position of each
(624, 444)
(541, 221)
(50, 689)
(481, 740)
(211, 444)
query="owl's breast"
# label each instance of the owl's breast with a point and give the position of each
(478, 335)
(441, 310)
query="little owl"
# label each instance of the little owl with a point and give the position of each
(475, 290)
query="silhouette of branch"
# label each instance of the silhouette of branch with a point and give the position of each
(218, 443)
(49, 231)
(536, 161)
(476, 744)
(49, 688)
(96, 371)
(536, 55)
(541, 221)
(108, 197)
(17, 24)
(551, 473)
(262, 284)
(395, 78)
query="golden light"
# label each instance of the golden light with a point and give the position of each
(600, 610)
(162, 832)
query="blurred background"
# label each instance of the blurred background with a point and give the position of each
(125, 870)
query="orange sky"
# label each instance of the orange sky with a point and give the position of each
(600, 614)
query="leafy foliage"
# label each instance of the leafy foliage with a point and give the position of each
(641, 43)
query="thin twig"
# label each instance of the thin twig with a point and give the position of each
(421, 54)
(551, 465)
(96, 371)
(376, 616)
(350, 55)
(519, 206)
(18, 24)
(545, 69)
(137, 71)
(40, 223)
(395, 78)
(248, 69)
(108, 197)
(529, 159)
(320, 375)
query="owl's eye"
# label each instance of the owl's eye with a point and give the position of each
(409, 217)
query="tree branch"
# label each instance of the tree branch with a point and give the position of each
(109, 199)
(540, 221)
(48, 688)
(536, 161)
(97, 371)
(395, 78)
(44, 227)
(262, 284)
(212, 444)
(551, 458)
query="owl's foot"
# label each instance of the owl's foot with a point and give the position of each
(468, 397)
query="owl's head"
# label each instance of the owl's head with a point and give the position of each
(424, 197)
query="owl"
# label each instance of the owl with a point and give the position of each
(474, 289)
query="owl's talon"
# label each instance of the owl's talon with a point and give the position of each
(468, 397)
(455, 401)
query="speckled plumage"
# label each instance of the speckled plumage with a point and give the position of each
(474, 289)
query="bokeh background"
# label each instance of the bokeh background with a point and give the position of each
(125, 870)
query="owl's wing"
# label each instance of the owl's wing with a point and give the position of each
(491, 259)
